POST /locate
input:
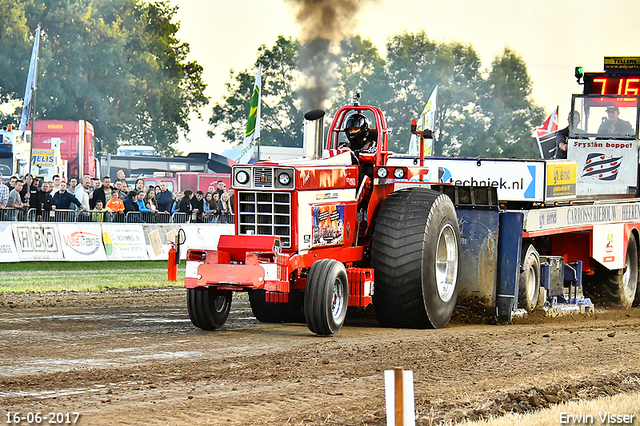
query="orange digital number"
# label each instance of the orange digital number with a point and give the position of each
(631, 87)
(604, 84)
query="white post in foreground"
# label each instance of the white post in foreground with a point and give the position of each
(398, 390)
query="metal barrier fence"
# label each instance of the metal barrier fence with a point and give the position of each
(11, 214)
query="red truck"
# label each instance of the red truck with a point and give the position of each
(76, 140)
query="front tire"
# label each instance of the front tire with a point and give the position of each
(529, 287)
(326, 297)
(620, 287)
(415, 255)
(208, 307)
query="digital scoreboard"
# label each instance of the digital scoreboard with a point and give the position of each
(608, 84)
(621, 77)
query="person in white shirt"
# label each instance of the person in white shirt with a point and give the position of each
(82, 193)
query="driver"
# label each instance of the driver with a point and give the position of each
(357, 130)
(613, 125)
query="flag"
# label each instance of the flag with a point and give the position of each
(427, 120)
(598, 165)
(31, 83)
(546, 136)
(252, 134)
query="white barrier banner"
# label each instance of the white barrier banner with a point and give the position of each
(203, 236)
(124, 242)
(37, 241)
(81, 242)
(8, 251)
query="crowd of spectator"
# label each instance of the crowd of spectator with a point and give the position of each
(96, 200)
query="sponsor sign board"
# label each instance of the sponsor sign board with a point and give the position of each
(621, 63)
(81, 242)
(37, 241)
(124, 242)
(43, 157)
(580, 215)
(608, 245)
(8, 251)
(515, 180)
(561, 180)
(158, 240)
(604, 167)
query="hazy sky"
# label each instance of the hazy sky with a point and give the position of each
(552, 36)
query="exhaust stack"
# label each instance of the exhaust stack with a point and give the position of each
(313, 138)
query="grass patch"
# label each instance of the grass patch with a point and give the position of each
(42, 277)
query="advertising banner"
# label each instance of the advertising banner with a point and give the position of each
(81, 242)
(561, 180)
(580, 216)
(37, 241)
(8, 251)
(124, 242)
(605, 167)
(158, 240)
(515, 180)
(43, 157)
(608, 245)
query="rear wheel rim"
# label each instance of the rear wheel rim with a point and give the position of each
(446, 263)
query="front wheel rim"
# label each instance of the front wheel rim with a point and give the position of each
(446, 263)
(219, 303)
(337, 300)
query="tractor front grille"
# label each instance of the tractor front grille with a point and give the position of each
(265, 213)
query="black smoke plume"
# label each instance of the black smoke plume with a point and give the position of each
(324, 23)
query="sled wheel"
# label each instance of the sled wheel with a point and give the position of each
(208, 307)
(620, 287)
(276, 312)
(529, 280)
(326, 297)
(415, 255)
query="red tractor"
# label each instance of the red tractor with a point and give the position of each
(339, 228)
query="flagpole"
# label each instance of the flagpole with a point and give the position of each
(33, 91)
(32, 115)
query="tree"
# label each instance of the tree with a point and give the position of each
(416, 65)
(16, 50)
(115, 63)
(281, 119)
(505, 114)
(360, 70)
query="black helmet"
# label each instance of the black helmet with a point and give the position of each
(357, 130)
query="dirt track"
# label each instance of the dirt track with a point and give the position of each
(132, 358)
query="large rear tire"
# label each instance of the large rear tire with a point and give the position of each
(326, 297)
(620, 287)
(415, 255)
(529, 280)
(276, 312)
(208, 307)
